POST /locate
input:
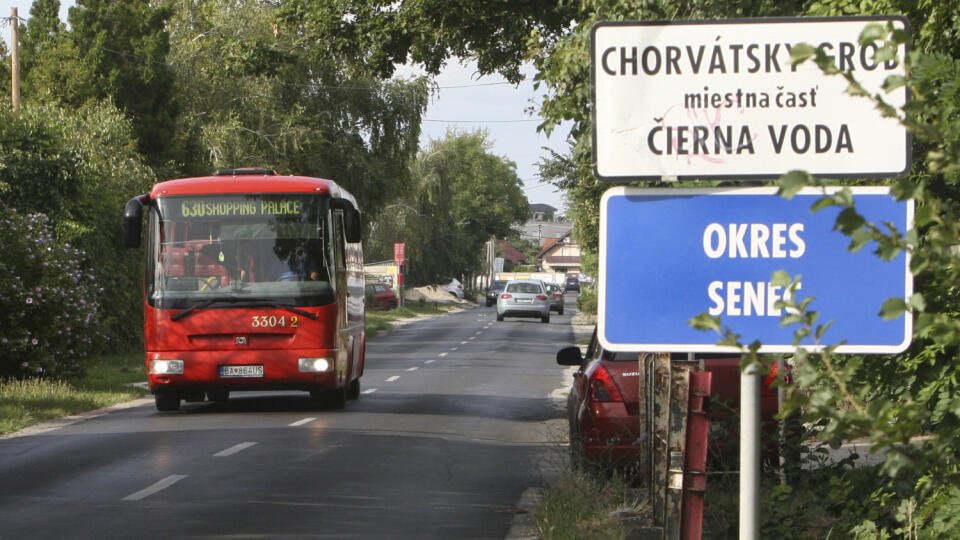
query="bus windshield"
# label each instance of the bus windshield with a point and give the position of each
(262, 247)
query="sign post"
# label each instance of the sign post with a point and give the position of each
(399, 256)
(722, 99)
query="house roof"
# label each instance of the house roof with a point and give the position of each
(550, 243)
(511, 253)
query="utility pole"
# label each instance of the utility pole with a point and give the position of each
(14, 60)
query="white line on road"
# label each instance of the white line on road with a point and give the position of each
(391, 379)
(472, 338)
(463, 342)
(478, 332)
(302, 422)
(414, 368)
(369, 391)
(429, 361)
(159, 486)
(441, 355)
(452, 348)
(234, 449)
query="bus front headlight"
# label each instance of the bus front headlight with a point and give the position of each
(166, 367)
(315, 365)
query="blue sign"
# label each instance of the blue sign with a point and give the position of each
(668, 255)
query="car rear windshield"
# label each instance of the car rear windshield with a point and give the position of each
(528, 288)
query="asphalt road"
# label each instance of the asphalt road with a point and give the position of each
(454, 425)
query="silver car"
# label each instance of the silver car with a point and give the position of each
(524, 298)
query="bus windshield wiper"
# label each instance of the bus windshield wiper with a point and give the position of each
(242, 302)
(266, 302)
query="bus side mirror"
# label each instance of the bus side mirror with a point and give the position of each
(354, 230)
(133, 221)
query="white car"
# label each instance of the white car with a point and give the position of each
(454, 287)
(524, 298)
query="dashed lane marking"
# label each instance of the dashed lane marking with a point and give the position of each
(159, 486)
(301, 422)
(234, 449)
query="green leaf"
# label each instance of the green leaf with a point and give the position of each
(848, 221)
(705, 321)
(801, 52)
(893, 308)
(792, 182)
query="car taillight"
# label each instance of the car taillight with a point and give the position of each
(541, 297)
(506, 295)
(603, 388)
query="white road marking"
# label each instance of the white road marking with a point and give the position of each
(302, 422)
(414, 368)
(369, 391)
(463, 342)
(429, 361)
(391, 379)
(473, 338)
(159, 486)
(234, 449)
(441, 355)
(452, 348)
(478, 332)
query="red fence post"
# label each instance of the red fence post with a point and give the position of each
(695, 462)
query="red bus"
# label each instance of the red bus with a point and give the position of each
(253, 281)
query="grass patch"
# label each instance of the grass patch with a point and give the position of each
(30, 401)
(582, 505)
(382, 321)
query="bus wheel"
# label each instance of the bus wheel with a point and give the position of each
(167, 401)
(218, 396)
(354, 392)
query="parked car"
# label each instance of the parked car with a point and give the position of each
(380, 296)
(454, 287)
(555, 292)
(524, 298)
(572, 284)
(494, 290)
(603, 406)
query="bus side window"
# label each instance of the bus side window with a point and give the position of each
(339, 254)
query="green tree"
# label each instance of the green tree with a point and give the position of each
(462, 195)
(64, 177)
(263, 92)
(120, 53)
(383, 35)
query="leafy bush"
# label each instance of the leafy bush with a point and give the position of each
(48, 300)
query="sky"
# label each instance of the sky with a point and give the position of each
(465, 103)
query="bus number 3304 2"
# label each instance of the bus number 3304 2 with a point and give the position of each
(274, 321)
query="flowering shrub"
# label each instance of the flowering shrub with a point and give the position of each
(48, 301)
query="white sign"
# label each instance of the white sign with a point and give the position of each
(720, 99)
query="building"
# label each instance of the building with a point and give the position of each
(560, 255)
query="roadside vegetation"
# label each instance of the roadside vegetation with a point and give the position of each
(382, 321)
(108, 381)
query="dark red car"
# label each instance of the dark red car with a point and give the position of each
(603, 406)
(380, 296)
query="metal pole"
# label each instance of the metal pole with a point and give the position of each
(782, 424)
(750, 383)
(14, 60)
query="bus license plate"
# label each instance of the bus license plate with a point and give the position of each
(241, 371)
